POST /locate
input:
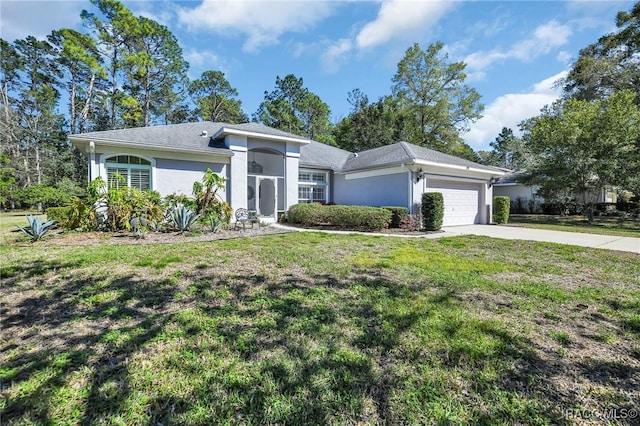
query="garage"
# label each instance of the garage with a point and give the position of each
(461, 201)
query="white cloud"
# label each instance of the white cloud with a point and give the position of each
(510, 109)
(202, 59)
(545, 38)
(262, 22)
(404, 20)
(333, 55)
(564, 57)
(19, 19)
(549, 86)
(400, 18)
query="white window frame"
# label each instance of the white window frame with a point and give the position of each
(313, 184)
(106, 165)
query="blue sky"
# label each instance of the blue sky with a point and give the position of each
(514, 50)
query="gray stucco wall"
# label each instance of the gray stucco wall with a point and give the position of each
(178, 176)
(387, 190)
(514, 191)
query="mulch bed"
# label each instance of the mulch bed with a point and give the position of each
(91, 238)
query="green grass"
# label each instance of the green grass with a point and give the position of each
(310, 328)
(601, 225)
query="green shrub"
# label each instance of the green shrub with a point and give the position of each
(432, 210)
(398, 214)
(501, 206)
(346, 217)
(57, 214)
(41, 196)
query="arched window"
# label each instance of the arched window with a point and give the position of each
(136, 171)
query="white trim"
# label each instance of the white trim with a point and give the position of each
(410, 191)
(430, 176)
(314, 183)
(102, 161)
(507, 184)
(375, 172)
(227, 131)
(456, 167)
(138, 146)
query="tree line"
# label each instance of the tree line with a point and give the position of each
(129, 71)
(589, 139)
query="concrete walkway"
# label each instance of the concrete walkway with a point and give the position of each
(608, 242)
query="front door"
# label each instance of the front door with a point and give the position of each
(267, 198)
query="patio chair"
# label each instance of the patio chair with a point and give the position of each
(243, 216)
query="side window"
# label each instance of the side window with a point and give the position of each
(135, 171)
(313, 187)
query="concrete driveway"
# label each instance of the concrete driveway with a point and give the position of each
(609, 242)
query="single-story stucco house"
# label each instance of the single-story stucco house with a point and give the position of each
(525, 198)
(268, 170)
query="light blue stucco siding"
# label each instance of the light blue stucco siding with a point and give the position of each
(177, 176)
(386, 190)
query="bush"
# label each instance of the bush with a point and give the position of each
(346, 217)
(41, 196)
(58, 214)
(432, 210)
(628, 207)
(398, 214)
(563, 208)
(501, 206)
(75, 215)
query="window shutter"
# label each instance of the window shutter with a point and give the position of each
(141, 179)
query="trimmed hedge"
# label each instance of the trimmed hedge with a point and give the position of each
(398, 214)
(58, 214)
(501, 205)
(432, 211)
(346, 217)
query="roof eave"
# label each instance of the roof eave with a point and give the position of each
(458, 167)
(220, 152)
(230, 131)
(418, 162)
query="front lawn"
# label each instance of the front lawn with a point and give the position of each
(601, 225)
(311, 328)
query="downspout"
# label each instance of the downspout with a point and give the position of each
(92, 159)
(410, 205)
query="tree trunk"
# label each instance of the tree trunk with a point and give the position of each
(25, 162)
(72, 105)
(38, 167)
(85, 109)
(147, 98)
(114, 87)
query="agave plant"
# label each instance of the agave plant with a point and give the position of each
(216, 222)
(183, 217)
(36, 229)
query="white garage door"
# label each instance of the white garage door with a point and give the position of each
(461, 201)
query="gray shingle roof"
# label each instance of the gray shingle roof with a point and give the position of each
(189, 137)
(259, 128)
(186, 136)
(404, 152)
(316, 154)
(511, 177)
